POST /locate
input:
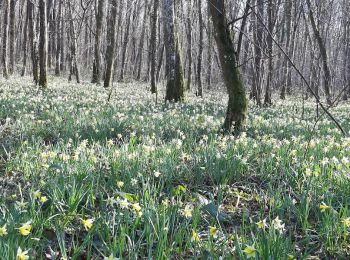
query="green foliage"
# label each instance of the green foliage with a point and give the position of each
(157, 181)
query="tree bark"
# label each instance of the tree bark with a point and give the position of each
(175, 89)
(125, 41)
(96, 74)
(111, 43)
(5, 39)
(200, 49)
(12, 35)
(153, 46)
(25, 39)
(323, 51)
(237, 104)
(43, 44)
(74, 67)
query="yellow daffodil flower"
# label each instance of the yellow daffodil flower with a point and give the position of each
(250, 251)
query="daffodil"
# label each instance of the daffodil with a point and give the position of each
(187, 211)
(261, 224)
(136, 207)
(324, 207)
(37, 194)
(346, 222)
(278, 225)
(43, 199)
(213, 232)
(120, 184)
(88, 223)
(156, 174)
(22, 255)
(250, 251)
(3, 231)
(25, 228)
(308, 172)
(123, 203)
(195, 237)
(111, 257)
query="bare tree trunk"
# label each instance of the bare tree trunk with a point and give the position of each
(268, 99)
(96, 74)
(12, 35)
(5, 39)
(25, 39)
(43, 44)
(58, 39)
(209, 55)
(258, 40)
(74, 67)
(200, 49)
(141, 43)
(175, 89)
(189, 44)
(33, 41)
(111, 43)
(125, 40)
(237, 104)
(288, 7)
(153, 46)
(323, 51)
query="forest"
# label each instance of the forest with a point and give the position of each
(174, 129)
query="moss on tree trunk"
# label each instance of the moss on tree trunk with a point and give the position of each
(237, 104)
(175, 87)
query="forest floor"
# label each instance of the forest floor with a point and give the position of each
(84, 178)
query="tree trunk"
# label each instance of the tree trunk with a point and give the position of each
(25, 39)
(153, 46)
(5, 39)
(96, 74)
(258, 46)
(268, 99)
(74, 67)
(237, 104)
(43, 44)
(12, 35)
(209, 55)
(175, 89)
(200, 49)
(323, 51)
(111, 43)
(33, 42)
(125, 41)
(58, 39)
(141, 43)
(189, 44)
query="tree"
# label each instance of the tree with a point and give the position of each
(74, 66)
(141, 43)
(43, 44)
(237, 104)
(271, 24)
(200, 49)
(189, 42)
(5, 39)
(96, 74)
(24, 67)
(33, 42)
(110, 43)
(125, 40)
(175, 89)
(258, 47)
(58, 39)
(12, 41)
(323, 52)
(153, 46)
